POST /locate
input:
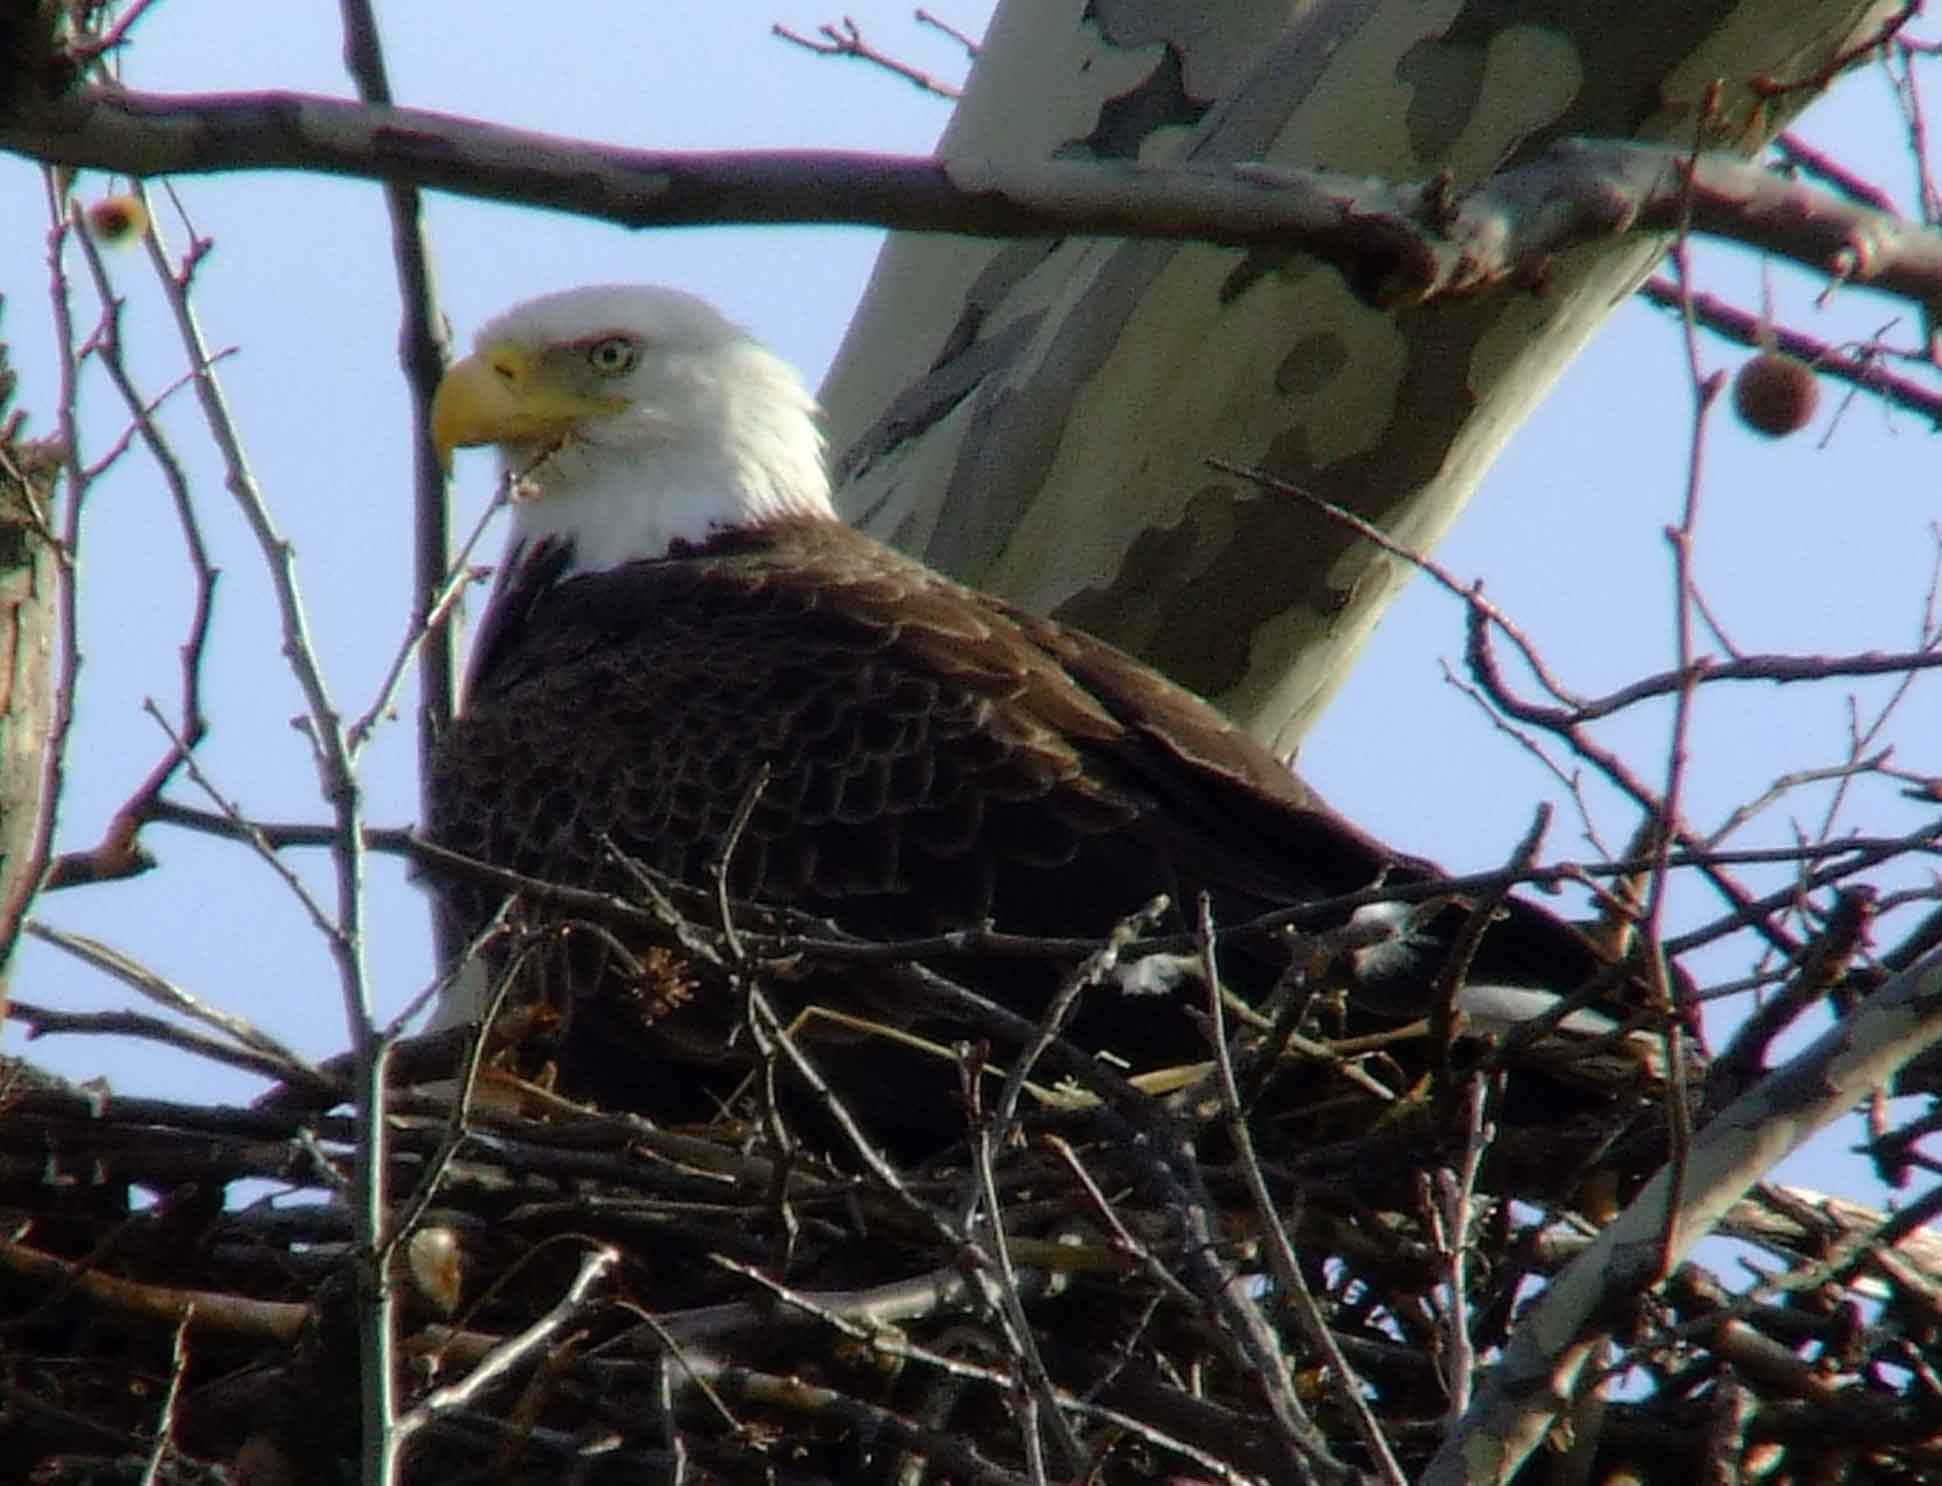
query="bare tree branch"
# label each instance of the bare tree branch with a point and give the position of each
(847, 41)
(422, 352)
(1547, 1353)
(1397, 243)
(1864, 367)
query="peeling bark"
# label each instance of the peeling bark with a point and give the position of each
(1053, 403)
(29, 574)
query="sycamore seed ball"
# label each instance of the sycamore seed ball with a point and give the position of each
(116, 220)
(1775, 394)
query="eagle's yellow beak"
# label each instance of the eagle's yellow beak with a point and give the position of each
(504, 394)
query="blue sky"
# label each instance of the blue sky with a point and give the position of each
(1820, 542)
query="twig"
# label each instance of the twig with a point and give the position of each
(849, 42)
(1929, 636)
(1706, 388)
(791, 935)
(326, 736)
(166, 993)
(526, 1346)
(870, 1321)
(723, 860)
(1557, 1335)
(1865, 371)
(959, 1458)
(191, 725)
(925, 18)
(42, 1021)
(1798, 153)
(422, 353)
(1091, 972)
(1347, 1387)
(1481, 609)
(132, 430)
(1123, 1237)
(234, 1314)
(164, 1448)
(1821, 965)
(343, 934)
(53, 748)
(1455, 1194)
(423, 623)
(90, 49)
(1569, 780)
(320, 918)
(1483, 665)
(458, 1125)
(1785, 784)
(1455, 970)
(1001, 1292)
(764, 1022)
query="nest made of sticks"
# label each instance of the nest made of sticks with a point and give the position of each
(1175, 1292)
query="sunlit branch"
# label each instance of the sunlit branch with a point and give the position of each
(1396, 244)
(1736, 1147)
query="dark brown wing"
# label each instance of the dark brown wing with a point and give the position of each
(934, 758)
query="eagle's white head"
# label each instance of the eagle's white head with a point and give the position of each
(630, 418)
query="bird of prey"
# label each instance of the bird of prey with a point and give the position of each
(682, 630)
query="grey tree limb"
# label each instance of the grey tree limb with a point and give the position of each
(1035, 418)
(1546, 1354)
(1398, 244)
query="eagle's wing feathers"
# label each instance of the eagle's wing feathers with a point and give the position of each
(904, 736)
(934, 757)
(923, 743)
(684, 628)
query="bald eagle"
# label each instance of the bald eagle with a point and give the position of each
(682, 629)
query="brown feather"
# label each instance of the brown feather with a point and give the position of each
(935, 758)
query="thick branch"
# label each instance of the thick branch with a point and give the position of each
(1546, 1355)
(1397, 244)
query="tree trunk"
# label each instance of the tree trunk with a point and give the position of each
(1051, 405)
(29, 575)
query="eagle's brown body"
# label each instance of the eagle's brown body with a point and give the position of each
(935, 760)
(682, 627)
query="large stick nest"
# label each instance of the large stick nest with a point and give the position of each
(582, 1296)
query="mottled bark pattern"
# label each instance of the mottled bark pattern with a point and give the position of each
(28, 578)
(1052, 405)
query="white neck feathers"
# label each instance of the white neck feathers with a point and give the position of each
(720, 439)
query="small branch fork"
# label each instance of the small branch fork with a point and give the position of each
(1865, 368)
(1569, 713)
(1560, 1332)
(119, 852)
(847, 40)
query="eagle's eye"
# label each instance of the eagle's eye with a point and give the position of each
(613, 357)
